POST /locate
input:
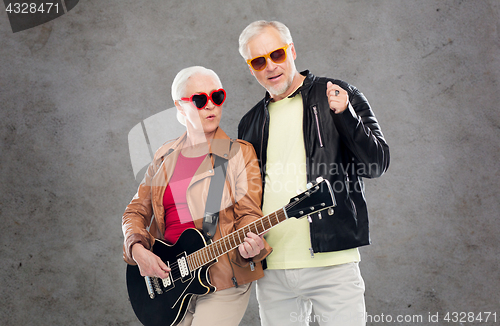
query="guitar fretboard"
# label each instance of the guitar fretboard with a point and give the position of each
(218, 248)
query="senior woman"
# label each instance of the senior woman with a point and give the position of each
(174, 193)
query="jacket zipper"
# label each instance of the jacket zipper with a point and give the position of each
(315, 110)
(262, 138)
(348, 180)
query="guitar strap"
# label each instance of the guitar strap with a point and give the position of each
(214, 198)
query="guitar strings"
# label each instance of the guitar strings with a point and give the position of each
(174, 268)
(207, 251)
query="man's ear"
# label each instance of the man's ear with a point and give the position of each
(292, 48)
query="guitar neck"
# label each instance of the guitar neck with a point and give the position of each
(218, 248)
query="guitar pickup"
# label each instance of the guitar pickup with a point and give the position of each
(168, 281)
(184, 271)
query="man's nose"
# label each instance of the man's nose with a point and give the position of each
(270, 66)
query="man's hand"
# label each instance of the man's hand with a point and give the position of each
(252, 246)
(149, 264)
(337, 98)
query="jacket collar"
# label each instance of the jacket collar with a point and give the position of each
(305, 85)
(220, 145)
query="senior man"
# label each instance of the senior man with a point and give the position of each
(306, 127)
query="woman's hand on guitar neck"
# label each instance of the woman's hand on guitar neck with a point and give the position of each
(252, 246)
(149, 263)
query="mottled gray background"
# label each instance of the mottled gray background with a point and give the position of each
(72, 89)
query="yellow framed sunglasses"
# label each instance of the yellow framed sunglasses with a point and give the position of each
(277, 56)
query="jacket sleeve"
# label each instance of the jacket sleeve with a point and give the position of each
(359, 130)
(137, 218)
(248, 195)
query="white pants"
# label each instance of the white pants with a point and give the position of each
(221, 308)
(286, 296)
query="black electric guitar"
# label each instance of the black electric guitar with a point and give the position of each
(160, 302)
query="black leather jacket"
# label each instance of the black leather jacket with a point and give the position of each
(343, 148)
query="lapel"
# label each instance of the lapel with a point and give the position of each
(167, 159)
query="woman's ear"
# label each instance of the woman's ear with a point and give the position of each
(181, 115)
(179, 107)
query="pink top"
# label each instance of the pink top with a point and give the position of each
(177, 215)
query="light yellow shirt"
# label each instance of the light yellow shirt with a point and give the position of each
(285, 174)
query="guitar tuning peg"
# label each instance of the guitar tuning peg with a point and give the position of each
(309, 185)
(319, 179)
(299, 191)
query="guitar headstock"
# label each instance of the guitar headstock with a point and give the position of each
(318, 197)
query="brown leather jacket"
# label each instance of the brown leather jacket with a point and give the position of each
(243, 189)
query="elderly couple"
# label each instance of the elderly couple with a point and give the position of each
(303, 123)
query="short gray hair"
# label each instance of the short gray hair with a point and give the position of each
(256, 28)
(180, 82)
(182, 77)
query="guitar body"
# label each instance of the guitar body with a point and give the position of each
(164, 302)
(169, 305)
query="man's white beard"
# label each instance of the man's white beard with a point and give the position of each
(281, 89)
(278, 90)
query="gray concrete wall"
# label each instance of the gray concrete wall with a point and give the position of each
(73, 88)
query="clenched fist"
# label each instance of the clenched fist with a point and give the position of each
(337, 97)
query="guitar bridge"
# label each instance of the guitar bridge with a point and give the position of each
(157, 286)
